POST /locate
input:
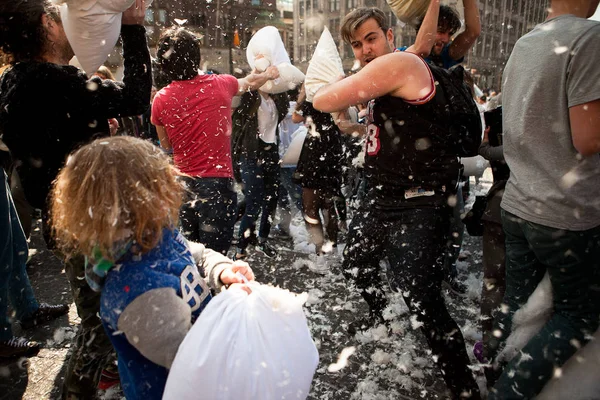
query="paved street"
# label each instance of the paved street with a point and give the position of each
(394, 366)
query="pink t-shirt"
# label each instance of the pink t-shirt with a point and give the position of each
(197, 117)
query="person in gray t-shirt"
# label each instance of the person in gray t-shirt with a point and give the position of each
(551, 206)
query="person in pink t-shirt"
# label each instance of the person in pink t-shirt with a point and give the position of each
(192, 116)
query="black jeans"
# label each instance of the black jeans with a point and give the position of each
(572, 260)
(209, 214)
(414, 242)
(260, 178)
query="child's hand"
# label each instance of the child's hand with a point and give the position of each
(229, 275)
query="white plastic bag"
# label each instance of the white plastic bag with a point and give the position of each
(265, 49)
(324, 67)
(242, 346)
(92, 28)
(409, 11)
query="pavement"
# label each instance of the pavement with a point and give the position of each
(381, 364)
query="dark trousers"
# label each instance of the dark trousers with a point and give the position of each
(260, 179)
(572, 260)
(413, 241)
(494, 282)
(209, 212)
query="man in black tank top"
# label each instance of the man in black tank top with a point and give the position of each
(412, 177)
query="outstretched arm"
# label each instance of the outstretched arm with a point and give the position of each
(256, 80)
(399, 74)
(426, 35)
(467, 38)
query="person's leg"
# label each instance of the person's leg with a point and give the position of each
(214, 204)
(362, 254)
(253, 187)
(415, 251)
(283, 203)
(24, 209)
(188, 215)
(294, 190)
(311, 205)
(494, 281)
(523, 273)
(14, 282)
(573, 263)
(330, 215)
(92, 349)
(454, 242)
(270, 169)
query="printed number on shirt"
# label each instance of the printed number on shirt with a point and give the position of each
(373, 143)
(194, 289)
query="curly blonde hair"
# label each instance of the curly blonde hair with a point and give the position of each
(114, 190)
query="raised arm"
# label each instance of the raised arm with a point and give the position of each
(398, 74)
(132, 96)
(256, 80)
(467, 38)
(426, 35)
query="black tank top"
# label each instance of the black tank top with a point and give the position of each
(402, 150)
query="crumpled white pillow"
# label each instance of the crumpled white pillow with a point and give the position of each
(409, 11)
(325, 65)
(265, 49)
(92, 28)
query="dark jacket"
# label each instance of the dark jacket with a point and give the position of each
(245, 135)
(48, 110)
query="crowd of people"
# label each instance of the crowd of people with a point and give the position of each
(145, 224)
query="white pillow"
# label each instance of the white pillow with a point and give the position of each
(409, 11)
(324, 67)
(289, 78)
(92, 28)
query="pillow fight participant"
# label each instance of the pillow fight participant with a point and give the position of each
(14, 283)
(254, 144)
(550, 208)
(192, 116)
(433, 42)
(435, 31)
(405, 216)
(69, 110)
(152, 290)
(319, 172)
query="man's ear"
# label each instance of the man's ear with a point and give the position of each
(47, 21)
(390, 37)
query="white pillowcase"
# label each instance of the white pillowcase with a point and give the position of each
(324, 67)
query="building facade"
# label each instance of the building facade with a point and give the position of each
(502, 21)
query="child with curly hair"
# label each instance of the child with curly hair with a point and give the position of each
(117, 201)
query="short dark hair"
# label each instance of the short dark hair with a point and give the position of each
(448, 20)
(354, 19)
(178, 54)
(22, 34)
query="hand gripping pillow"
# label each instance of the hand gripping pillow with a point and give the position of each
(92, 28)
(324, 67)
(246, 346)
(409, 11)
(265, 49)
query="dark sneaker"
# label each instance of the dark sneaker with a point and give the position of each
(266, 249)
(281, 232)
(241, 256)
(46, 312)
(456, 286)
(18, 347)
(366, 323)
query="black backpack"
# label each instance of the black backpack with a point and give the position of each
(457, 111)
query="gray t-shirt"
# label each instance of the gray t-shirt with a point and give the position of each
(552, 68)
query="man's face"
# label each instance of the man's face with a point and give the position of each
(369, 41)
(442, 38)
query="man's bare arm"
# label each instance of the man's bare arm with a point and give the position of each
(585, 127)
(467, 38)
(426, 35)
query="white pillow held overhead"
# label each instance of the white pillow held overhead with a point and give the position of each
(409, 11)
(324, 67)
(92, 28)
